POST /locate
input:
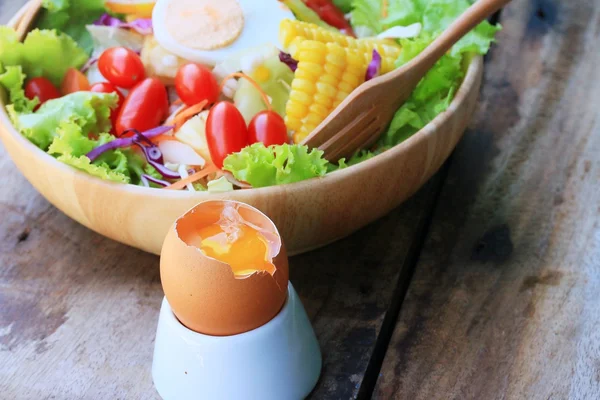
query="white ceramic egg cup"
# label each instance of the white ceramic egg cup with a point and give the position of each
(279, 360)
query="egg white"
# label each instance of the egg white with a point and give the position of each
(261, 26)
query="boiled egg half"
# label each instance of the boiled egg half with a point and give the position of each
(210, 31)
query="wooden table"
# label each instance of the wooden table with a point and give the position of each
(485, 285)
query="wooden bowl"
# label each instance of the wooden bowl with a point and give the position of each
(308, 214)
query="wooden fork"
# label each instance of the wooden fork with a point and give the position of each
(362, 117)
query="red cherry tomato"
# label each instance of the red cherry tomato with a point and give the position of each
(226, 131)
(330, 14)
(195, 83)
(267, 127)
(121, 66)
(41, 88)
(106, 87)
(74, 81)
(146, 106)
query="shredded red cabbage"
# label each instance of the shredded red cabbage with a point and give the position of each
(146, 179)
(142, 26)
(288, 60)
(128, 141)
(91, 61)
(374, 66)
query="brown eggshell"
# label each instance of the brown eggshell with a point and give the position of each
(204, 293)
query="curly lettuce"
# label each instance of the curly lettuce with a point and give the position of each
(90, 111)
(71, 17)
(12, 79)
(43, 53)
(275, 165)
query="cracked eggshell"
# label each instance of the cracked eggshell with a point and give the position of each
(204, 293)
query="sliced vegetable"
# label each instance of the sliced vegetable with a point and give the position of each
(220, 185)
(226, 131)
(74, 81)
(193, 133)
(188, 112)
(268, 128)
(195, 83)
(211, 169)
(142, 137)
(374, 67)
(267, 166)
(147, 179)
(43, 53)
(288, 60)
(143, 26)
(144, 108)
(180, 153)
(122, 67)
(42, 89)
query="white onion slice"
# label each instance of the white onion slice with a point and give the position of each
(175, 152)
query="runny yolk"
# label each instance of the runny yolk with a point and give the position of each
(245, 255)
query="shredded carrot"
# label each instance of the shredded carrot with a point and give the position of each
(187, 113)
(252, 81)
(162, 138)
(384, 9)
(209, 169)
(177, 102)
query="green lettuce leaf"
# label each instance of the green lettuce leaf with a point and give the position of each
(344, 5)
(71, 17)
(367, 14)
(436, 90)
(71, 145)
(101, 171)
(12, 79)
(90, 111)
(43, 53)
(266, 166)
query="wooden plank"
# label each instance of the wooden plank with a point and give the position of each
(78, 312)
(504, 303)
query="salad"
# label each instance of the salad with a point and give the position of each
(217, 95)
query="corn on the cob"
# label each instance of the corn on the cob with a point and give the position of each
(291, 33)
(327, 73)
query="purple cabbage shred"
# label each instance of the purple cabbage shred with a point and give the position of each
(374, 67)
(143, 26)
(288, 60)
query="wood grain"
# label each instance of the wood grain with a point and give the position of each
(505, 300)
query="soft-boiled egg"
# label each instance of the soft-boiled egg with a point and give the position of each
(224, 269)
(210, 31)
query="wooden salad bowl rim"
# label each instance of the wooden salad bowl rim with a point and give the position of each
(15, 142)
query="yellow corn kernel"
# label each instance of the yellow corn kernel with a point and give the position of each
(318, 87)
(304, 85)
(292, 32)
(300, 97)
(325, 101)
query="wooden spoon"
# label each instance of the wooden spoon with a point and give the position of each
(362, 117)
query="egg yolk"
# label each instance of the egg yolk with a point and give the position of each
(246, 252)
